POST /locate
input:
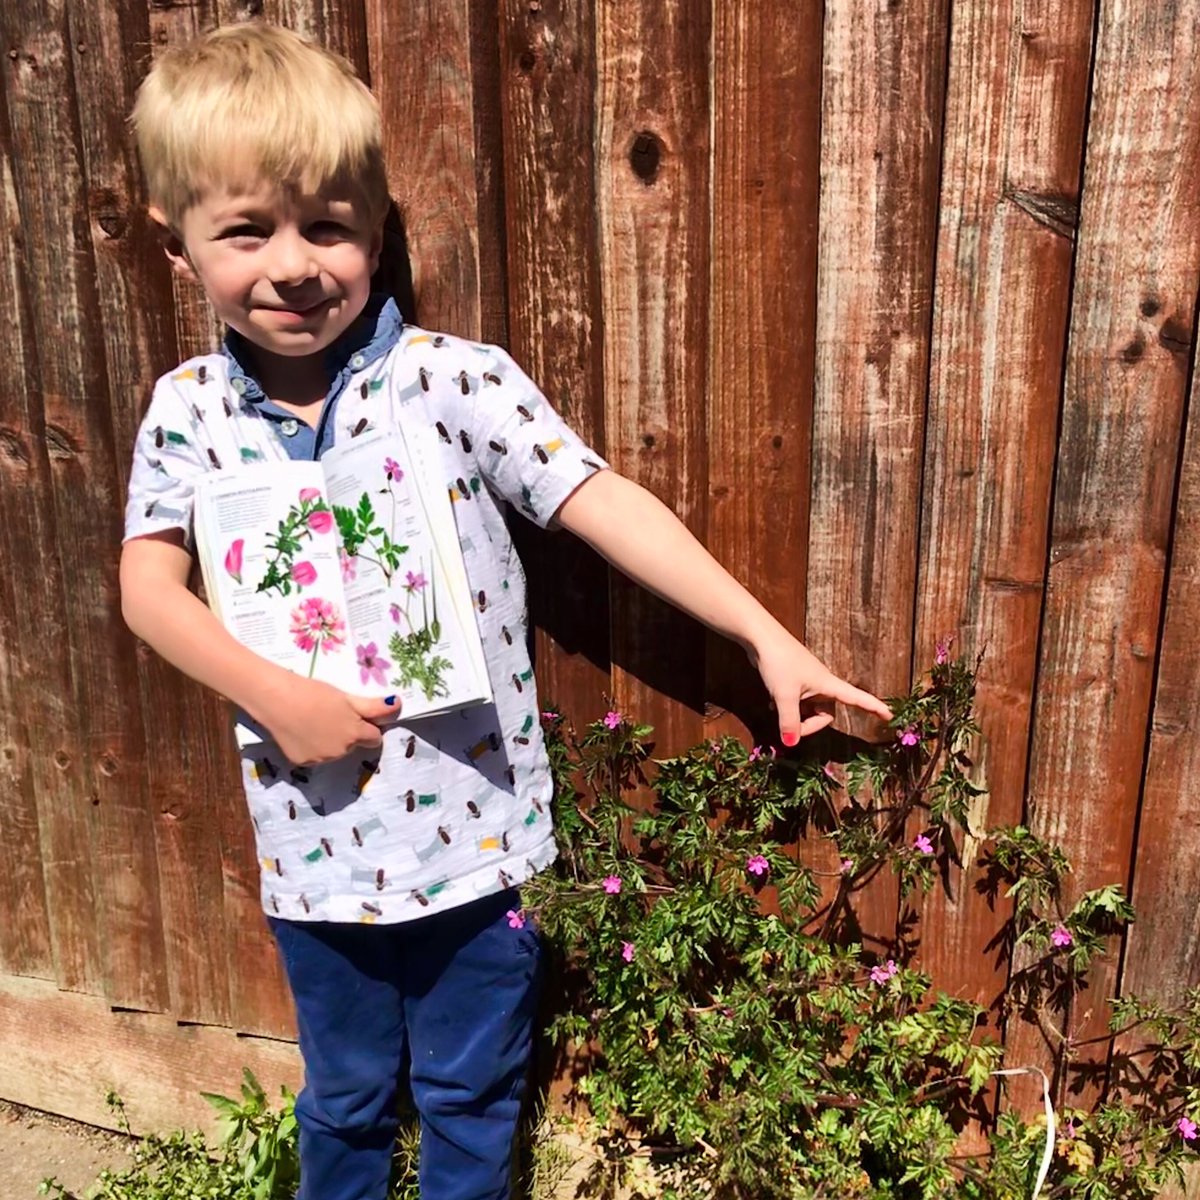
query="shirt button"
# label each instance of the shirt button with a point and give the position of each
(357, 361)
(289, 428)
(239, 386)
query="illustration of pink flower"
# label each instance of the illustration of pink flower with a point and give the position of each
(372, 665)
(883, 972)
(627, 951)
(415, 582)
(320, 521)
(516, 920)
(757, 864)
(304, 574)
(613, 719)
(612, 884)
(233, 559)
(1187, 1129)
(317, 625)
(1061, 936)
(396, 613)
(922, 844)
(391, 468)
(307, 494)
(909, 736)
(349, 565)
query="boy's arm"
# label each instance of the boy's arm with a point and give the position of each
(311, 721)
(638, 534)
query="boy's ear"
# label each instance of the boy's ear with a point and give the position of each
(172, 245)
(376, 247)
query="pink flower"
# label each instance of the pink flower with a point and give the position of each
(757, 864)
(1061, 936)
(233, 559)
(317, 623)
(1069, 1131)
(942, 653)
(372, 665)
(762, 752)
(1187, 1129)
(847, 866)
(882, 973)
(307, 494)
(830, 773)
(909, 736)
(414, 583)
(320, 521)
(613, 719)
(549, 717)
(516, 920)
(304, 574)
(627, 951)
(391, 468)
(612, 884)
(349, 566)
(922, 844)
(395, 610)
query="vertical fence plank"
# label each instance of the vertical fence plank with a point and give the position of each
(653, 195)
(53, 209)
(1135, 291)
(1162, 956)
(548, 68)
(766, 167)
(884, 73)
(1013, 150)
(183, 764)
(421, 72)
(34, 687)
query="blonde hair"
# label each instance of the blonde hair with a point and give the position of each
(253, 102)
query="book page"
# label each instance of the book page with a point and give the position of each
(268, 549)
(406, 608)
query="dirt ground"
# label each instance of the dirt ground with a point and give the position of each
(34, 1145)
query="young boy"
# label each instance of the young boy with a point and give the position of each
(264, 166)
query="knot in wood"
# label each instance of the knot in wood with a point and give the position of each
(62, 760)
(645, 156)
(108, 765)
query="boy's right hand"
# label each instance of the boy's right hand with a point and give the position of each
(313, 722)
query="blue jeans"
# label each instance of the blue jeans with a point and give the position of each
(455, 992)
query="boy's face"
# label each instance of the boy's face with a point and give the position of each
(289, 271)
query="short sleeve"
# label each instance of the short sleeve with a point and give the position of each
(526, 451)
(167, 461)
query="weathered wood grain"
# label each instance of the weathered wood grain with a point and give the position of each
(1162, 955)
(171, 22)
(766, 167)
(182, 765)
(882, 104)
(549, 77)
(1127, 361)
(62, 1052)
(1016, 103)
(421, 73)
(59, 276)
(32, 686)
(652, 146)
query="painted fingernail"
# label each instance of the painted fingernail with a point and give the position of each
(790, 739)
(389, 699)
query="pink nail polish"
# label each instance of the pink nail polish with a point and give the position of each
(790, 739)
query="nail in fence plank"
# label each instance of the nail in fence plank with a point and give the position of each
(1010, 193)
(60, 277)
(652, 142)
(1127, 360)
(766, 167)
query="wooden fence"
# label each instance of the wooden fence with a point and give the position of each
(893, 301)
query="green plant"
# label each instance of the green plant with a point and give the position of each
(743, 1036)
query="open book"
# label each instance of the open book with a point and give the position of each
(347, 570)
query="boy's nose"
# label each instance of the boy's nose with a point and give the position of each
(292, 261)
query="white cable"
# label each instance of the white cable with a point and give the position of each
(1048, 1153)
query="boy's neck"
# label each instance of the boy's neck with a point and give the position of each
(300, 382)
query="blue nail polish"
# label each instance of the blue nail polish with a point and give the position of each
(389, 699)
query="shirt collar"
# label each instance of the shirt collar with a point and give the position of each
(369, 338)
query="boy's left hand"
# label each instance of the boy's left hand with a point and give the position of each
(799, 682)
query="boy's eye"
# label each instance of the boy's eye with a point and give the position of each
(243, 231)
(327, 230)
